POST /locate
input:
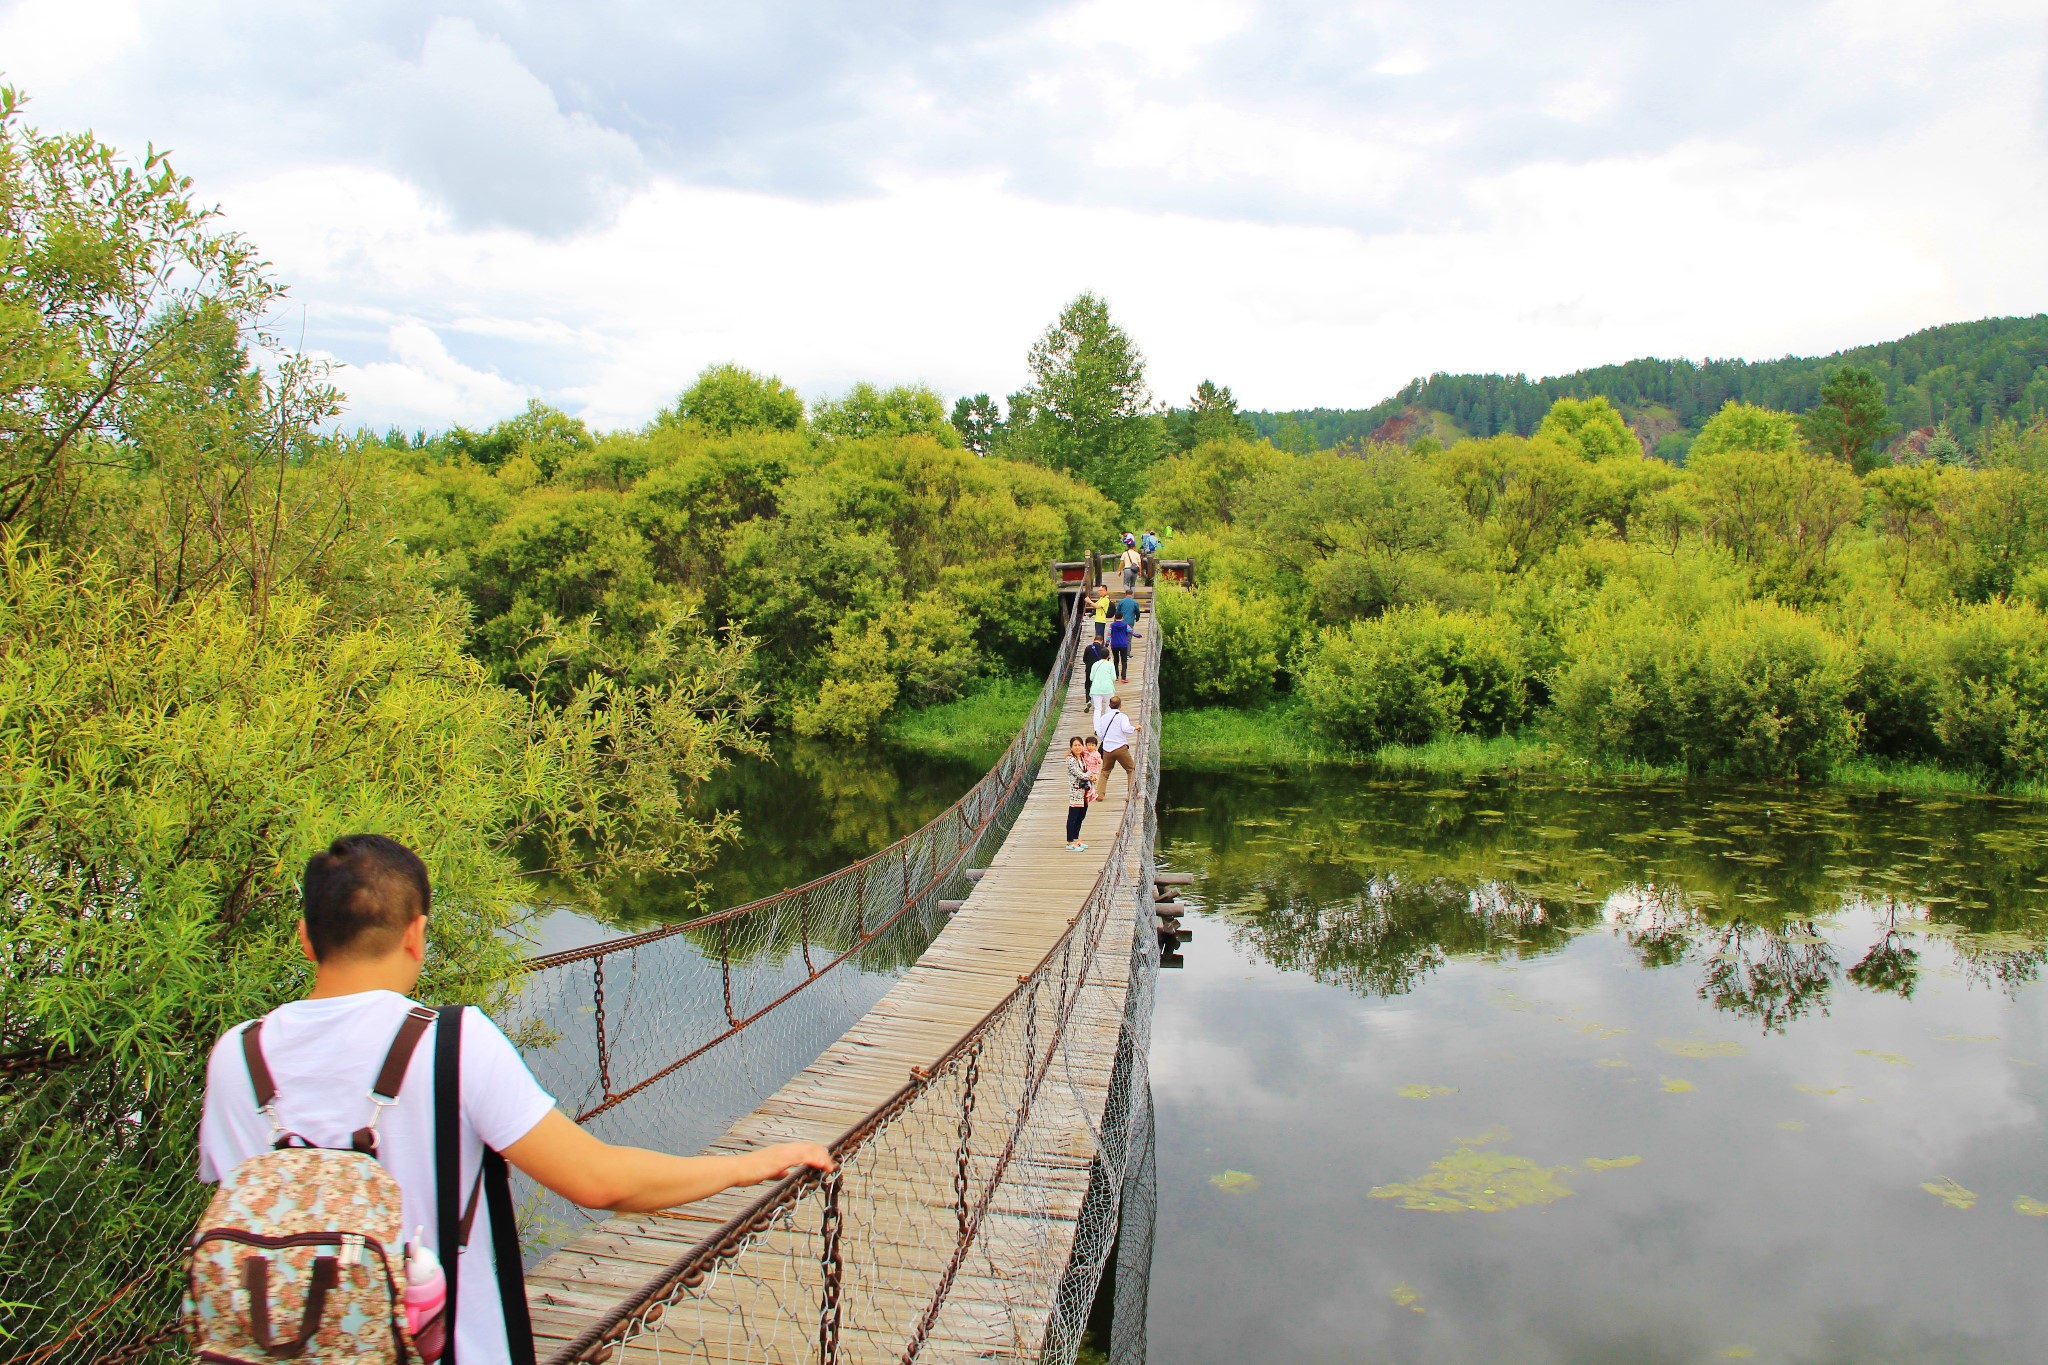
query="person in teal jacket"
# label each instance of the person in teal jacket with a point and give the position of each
(1101, 687)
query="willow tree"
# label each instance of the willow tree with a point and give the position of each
(214, 658)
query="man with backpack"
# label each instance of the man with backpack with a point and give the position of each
(349, 1169)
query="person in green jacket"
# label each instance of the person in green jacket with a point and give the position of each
(1101, 687)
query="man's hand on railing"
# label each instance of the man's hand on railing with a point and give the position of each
(598, 1175)
(786, 1158)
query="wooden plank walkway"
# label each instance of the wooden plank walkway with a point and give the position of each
(999, 1305)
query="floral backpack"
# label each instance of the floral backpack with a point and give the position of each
(301, 1254)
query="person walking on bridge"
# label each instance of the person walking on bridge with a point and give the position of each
(1120, 647)
(1100, 608)
(1117, 730)
(1101, 687)
(1133, 564)
(1148, 546)
(1129, 609)
(327, 1072)
(1096, 649)
(1080, 791)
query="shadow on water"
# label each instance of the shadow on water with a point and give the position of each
(1620, 1071)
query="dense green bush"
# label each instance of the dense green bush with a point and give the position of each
(1897, 690)
(1222, 645)
(1756, 691)
(1413, 674)
(1994, 699)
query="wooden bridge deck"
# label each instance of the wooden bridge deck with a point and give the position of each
(1012, 917)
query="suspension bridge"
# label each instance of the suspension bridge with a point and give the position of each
(988, 1104)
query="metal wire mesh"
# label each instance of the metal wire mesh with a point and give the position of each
(663, 1038)
(974, 1211)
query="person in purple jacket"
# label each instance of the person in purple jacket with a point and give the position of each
(1120, 647)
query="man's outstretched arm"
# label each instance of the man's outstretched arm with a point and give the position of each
(598, 1175)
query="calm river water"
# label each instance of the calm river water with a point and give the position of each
(1528, 1072)
(1457, 1074)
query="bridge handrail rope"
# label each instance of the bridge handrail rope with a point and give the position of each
(900, 878)
(1029, 1026)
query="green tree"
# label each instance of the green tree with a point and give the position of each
(1206, 487)
(978, 421)
(217, 655)
(1943, 448)
(1743, 426)
(1591, 427)
(545, 435)
(1412, 675)
(1780, 512)
(1086, 410)
(727, 398)
(1850, 421)
(1211, 415)
(905, 410)
(125, 306)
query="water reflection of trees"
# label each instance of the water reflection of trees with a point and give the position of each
(809, 810)
(1374, 884)
(1388, 935)
(1772, 974)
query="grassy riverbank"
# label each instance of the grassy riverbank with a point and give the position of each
(979, 725)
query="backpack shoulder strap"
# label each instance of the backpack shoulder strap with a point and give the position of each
(494, 1183)
(391, 1076)
(505, 1251)
(259, 1070)
(448, 1159)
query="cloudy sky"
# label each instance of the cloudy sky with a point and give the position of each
(477, 203)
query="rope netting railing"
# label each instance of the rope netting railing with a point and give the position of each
(663, 1038)
(974, 1212)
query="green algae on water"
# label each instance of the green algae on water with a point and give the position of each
(1425, 1092)
(2033, 1208)
(1404, 1296)
(1468, 1181)
(1673, 1085)
(1612, 1163)
(1951, 1193)
(1888, 1058)
(1701, 1047)
(1235, 1182)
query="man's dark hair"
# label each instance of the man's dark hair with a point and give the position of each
(360, 893)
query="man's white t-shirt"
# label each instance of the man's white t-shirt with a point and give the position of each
(324, 1056)
(1115, 731)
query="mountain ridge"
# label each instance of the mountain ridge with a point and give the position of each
(1966, 375)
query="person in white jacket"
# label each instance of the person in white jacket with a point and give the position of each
(1116, 731)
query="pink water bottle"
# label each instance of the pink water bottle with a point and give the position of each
(426, 1296)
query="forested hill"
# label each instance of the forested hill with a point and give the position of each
(1967, 375)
